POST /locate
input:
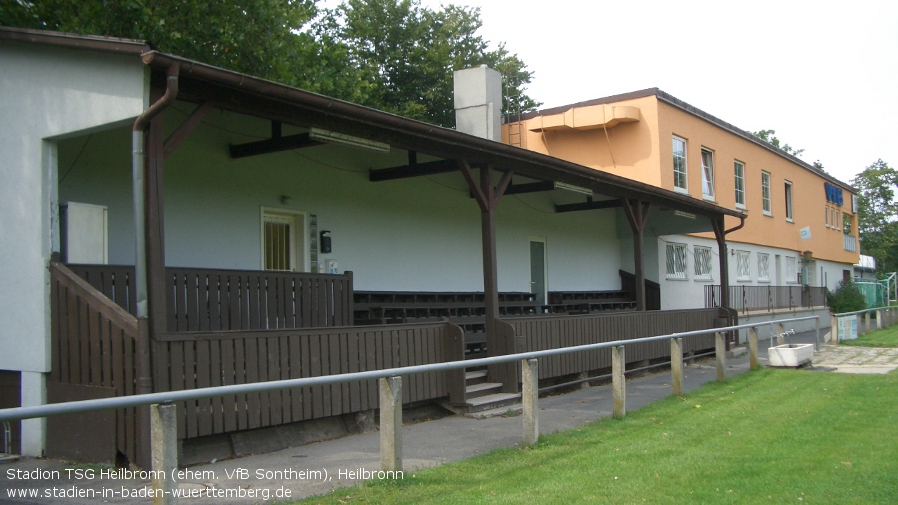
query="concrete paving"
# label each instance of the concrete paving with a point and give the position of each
(318, 468)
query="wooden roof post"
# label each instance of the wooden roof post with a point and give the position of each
(637, 213)
(488, 199)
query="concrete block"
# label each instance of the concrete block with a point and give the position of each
(618, 382)
(676, 366)
(530, 399)
(164, 452)
(390, 423)
(720, 350)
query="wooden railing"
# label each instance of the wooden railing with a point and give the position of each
(197, 360)
(93, 343)
(564, 331)
(214, 300)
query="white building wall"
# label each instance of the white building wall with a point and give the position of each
(45, 94)
(419, 234)
(690, 292)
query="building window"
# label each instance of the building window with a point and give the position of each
(707, 174)
(679, 162)
(702, 263)
(826, 208)
(743, 266)
(765, 193)
(763, 267)
(791, 270)
(676, 261)
(846, 224)
(739, 172)
(788, 189)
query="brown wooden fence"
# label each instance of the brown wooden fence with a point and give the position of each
(198, 360)
(564, 331)
(93, 349)
(213, 300)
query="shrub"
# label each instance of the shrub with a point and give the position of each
(846, 298)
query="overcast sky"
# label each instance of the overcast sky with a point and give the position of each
(823, 74)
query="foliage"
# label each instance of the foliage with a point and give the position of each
(408, 53)
(769, 137)
(846, 298)
(256, 37)
(393, 55)
(771, 436)
(878, 215)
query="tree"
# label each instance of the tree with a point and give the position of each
(769, 137)
(407, 53)
(260, 38)
(388, 54)
(878, 214)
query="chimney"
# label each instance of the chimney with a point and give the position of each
(478, 102)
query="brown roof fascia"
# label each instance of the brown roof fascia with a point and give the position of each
(74, 41)
(381, 124)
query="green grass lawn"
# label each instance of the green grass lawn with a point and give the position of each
(770, 436)
(886, 337)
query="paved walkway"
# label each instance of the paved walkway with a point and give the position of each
(851, 359)
(318, 468)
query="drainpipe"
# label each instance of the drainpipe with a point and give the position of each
(138, 174)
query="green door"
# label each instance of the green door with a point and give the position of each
(538, 270)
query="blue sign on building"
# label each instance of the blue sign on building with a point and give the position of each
(833, 194)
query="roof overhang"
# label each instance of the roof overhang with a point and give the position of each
(233, 91)
(245, 94)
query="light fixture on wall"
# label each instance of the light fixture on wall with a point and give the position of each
(571, 187)
(680, 213)
(285, 200)
(347, 140)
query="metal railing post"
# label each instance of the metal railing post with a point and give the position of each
(618, 382)
(164, 452)
(676, 366)
(530, 399)
(753, 348)
(721, 352)
(390, 423)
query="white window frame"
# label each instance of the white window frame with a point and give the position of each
(743, 266)
(791, 270)
(763, 267)
(685, 172)
(739, 176)
(765, 194)
(787, 189)
(676, 262)
(702, 260)
(707, 174)
(826, 207)
(299, 244)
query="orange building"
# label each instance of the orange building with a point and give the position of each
(800, 226)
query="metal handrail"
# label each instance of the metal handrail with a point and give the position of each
(167, 397)
(844, 314)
